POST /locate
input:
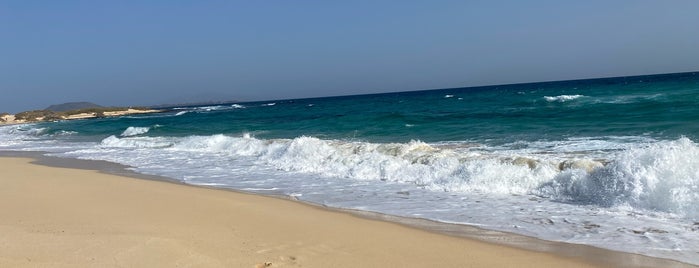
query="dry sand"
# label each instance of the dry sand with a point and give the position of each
(9, 119)
(131, 111)
(61, 217)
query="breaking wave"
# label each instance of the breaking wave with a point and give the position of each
(660, 176)
(663, 176)
(562, 98)
(134, 131)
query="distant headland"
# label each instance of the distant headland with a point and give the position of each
(71, 111)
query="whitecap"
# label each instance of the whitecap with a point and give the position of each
(134, 131)
(662, 176)
(562, 98)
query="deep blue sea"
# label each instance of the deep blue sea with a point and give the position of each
(612, 162)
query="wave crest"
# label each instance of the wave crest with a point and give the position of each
(134, 131)
(415, 162)
(663, 176)
(562, 98)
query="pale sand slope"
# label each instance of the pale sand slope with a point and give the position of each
(59, 217)
(10, 119)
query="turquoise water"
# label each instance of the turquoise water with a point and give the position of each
(607, 162)
(662, 106)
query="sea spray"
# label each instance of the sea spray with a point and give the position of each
(662, 176)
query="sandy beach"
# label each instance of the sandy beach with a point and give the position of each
(63, 217)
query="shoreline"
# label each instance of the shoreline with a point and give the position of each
(580, 255)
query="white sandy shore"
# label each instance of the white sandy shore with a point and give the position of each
(8, 119)
(61, 217)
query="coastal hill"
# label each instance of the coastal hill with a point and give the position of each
(71, 106)
(70, 111)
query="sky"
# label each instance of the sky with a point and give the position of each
(124, 53)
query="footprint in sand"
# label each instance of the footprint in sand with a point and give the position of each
(263, 265)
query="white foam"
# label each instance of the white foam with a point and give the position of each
(134, 131)
(209, 108)
(414, 162)
(24, 131)
(135, 142)
(34, 131)
(212, 108)
(562, 98)
(65, 133)
(662, 176)
(643, 199)
(31, 137)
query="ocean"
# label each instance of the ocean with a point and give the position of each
(612, 163)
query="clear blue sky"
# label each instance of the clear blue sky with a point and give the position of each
(152, 52)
